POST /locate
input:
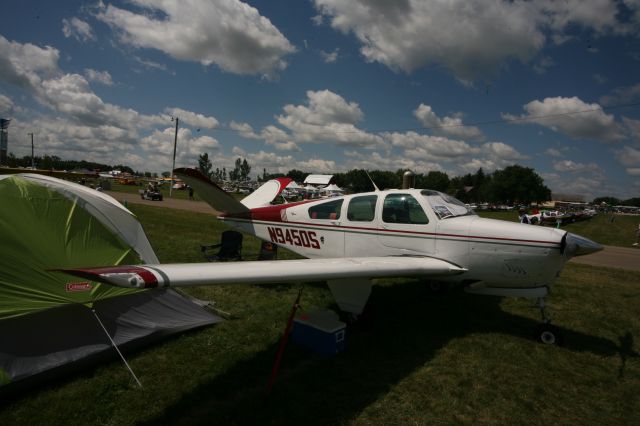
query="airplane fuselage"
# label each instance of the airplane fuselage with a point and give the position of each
(417, 223)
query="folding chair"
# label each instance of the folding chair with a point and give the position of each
(230, 248)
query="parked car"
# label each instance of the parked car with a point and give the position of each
(148, 194)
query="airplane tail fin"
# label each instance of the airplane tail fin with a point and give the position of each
(266, 193)
(221, 201)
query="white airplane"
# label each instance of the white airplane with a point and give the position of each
(352, 239)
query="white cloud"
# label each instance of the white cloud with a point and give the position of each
(330, 57)
(552, 152)
(78, 29)
(272, 135)
(571, 116)
(633, 171)
(6, 104)
(622, 96)
(472, 39)
(192, 118)
(102, 77)
(573, 167)
(428, 147)
(376, 161)
(82, 125)
(628, 156)
(502, 152)
(228, 33)
(158, 147)
(25, 65)
(327, 117)
(633, 127)
(451, 126)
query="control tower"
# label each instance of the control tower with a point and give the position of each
(4, 140)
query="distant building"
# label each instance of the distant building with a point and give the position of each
(318, 180)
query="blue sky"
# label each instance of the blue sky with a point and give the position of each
(327, 85)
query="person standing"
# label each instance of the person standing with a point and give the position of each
(637, 236)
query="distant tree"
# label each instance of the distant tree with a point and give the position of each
(385, 179)
(356, 180)
(438, 181)
(166, 174)
(204, 164)
(268, 176)
(607, 200)
(245, 170)
(518, 184)
(297, 175)
(631, 202)
(234, 175)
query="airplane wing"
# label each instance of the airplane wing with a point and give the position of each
(198, 274)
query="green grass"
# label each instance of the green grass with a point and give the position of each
(453, 358)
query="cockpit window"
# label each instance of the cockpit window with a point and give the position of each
(403, 208)
(446, 206)
(329, 210)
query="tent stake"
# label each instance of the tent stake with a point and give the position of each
(116, 347)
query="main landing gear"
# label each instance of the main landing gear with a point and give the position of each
(546, 332)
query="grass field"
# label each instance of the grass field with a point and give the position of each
(452, 358)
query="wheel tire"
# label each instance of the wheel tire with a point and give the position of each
(549, 335)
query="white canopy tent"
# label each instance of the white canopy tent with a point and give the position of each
(332, 188)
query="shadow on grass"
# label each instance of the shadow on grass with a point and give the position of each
(410, 327)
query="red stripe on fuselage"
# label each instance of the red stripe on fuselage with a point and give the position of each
(277, 218)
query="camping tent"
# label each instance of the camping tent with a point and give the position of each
(50, 320)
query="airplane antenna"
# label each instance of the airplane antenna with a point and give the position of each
(372, 182)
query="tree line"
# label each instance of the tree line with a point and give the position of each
(513, 184)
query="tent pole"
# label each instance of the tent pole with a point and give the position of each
(116, 347)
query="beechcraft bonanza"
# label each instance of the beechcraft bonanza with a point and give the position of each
(351, 240)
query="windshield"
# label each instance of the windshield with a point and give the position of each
(446, 206)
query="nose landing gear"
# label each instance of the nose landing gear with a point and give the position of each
(546, 332)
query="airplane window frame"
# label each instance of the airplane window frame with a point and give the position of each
(365, 199)
(408, 214)
(331, 214)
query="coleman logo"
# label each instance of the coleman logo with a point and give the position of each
(78, 287)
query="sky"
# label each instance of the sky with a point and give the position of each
(325, 86)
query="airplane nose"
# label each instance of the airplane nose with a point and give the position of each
(575, 245)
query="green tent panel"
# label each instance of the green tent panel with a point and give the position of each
(43, 230)
(48, 319)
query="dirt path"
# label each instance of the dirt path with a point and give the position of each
(610, 257)
(172, 203)
(613, 257)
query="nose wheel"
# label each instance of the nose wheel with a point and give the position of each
(547, 333)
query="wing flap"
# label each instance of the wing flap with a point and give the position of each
(198, 274)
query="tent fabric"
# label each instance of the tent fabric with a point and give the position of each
(53, 338)
(41, 229)
(103, 207)
(46, 320)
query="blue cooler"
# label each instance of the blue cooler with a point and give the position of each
(320, 331)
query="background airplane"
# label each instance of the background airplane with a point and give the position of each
(350, 240)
